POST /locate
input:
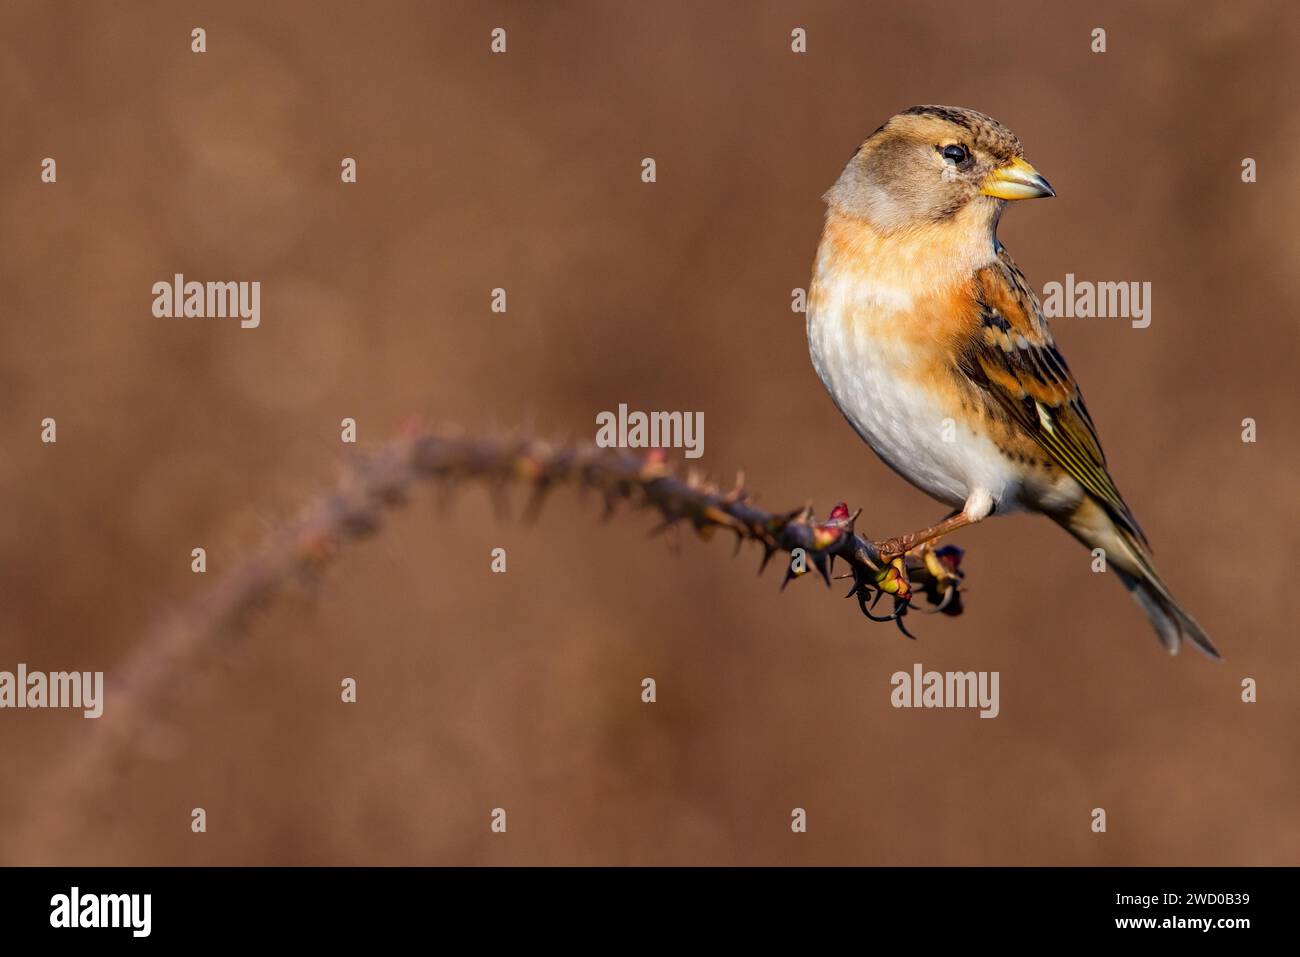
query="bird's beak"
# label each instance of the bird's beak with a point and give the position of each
(1017, 180)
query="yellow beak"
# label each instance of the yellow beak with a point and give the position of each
(1017, 180)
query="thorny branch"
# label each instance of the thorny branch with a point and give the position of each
(648, 482)
(383, 479)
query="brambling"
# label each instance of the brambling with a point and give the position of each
(932, 344)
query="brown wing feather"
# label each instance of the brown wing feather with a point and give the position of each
(1012, 357)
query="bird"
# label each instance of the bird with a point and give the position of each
(935, 349)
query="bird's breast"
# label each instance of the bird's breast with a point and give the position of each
(883, 347)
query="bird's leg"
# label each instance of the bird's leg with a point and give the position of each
(978, 507)
(896, 547)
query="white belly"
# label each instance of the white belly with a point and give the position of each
(871, 378)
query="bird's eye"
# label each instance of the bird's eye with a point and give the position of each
(955, 154)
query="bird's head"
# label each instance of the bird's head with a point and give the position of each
(930, 164)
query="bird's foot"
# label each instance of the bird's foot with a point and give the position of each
(892, 549)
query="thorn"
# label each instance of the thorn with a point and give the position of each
(863, 604)
(779, 522)
(947, 598)
(535, 501)
(737, 493)
(851, 524)
(674, 542)
(668, 522)
(900, 609)
(611, 501)
(819, 562)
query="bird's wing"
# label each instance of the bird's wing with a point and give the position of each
(1010, 355)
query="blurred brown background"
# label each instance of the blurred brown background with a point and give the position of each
(522, 171)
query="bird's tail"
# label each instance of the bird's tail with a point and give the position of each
(1129, 558)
